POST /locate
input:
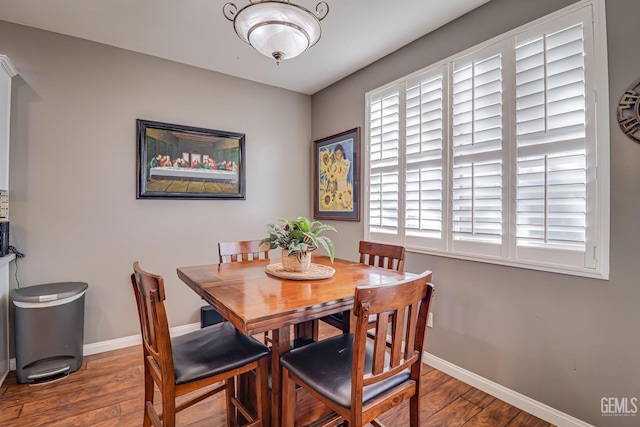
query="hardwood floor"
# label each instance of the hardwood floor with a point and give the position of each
(108, 391)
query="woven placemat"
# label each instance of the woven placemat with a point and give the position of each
(315, 272)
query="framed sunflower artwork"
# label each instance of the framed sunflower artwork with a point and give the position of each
(336, 178)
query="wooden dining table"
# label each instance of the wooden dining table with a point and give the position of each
(255, 302)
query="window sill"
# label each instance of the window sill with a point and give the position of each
(590, 273)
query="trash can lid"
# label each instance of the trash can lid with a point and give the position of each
(48, 292)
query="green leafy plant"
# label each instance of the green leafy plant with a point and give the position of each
(299, 236)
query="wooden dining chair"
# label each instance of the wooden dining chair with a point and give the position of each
(244, 250)
(247, 250)
(377, 254)
(357, 379)
(193, 361)
(382, 255)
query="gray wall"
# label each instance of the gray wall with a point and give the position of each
(562, 340)
(73, 209)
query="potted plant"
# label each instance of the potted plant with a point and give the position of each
(297, 239)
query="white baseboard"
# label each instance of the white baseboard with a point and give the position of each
(513, 398)
(118, 343)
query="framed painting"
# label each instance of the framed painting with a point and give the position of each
(184, 162)
(336, 179)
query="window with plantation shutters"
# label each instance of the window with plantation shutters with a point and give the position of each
(424, 127)
(500, 153)
(384, 155)
(477, 139)
(551, 143)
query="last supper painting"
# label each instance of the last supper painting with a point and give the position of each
(176, 161)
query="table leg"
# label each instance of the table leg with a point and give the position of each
(280, 345)
(346, 322)
(305, 333)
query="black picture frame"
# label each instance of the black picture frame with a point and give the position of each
(336, 176)
(185, 162)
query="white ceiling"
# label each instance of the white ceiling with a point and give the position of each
(195, 32)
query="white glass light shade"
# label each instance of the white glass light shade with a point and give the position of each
(276, 29)
(278, 40)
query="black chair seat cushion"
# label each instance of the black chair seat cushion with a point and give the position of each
(326, 367)
(213, 350)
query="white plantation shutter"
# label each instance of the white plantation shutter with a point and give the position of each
(384, 155)
(424, 159)
(500, 153)
(477, 119)
(551, 141)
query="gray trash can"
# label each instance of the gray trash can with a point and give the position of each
(49, 330)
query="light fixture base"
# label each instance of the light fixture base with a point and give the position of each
(278, 56)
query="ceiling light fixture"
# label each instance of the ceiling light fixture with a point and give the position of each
(277, 29)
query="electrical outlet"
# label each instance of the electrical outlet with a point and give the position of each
(430, 320)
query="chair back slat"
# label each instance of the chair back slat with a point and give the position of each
(149, 291)
(143, 312)
(412, 324)
(408, 300)
(382, 255)
(380, 348)
(247, 250)
(397, 330)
